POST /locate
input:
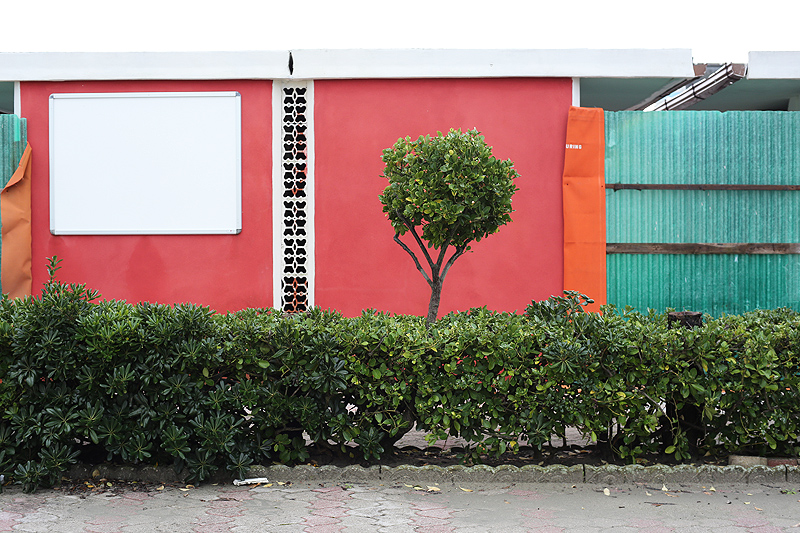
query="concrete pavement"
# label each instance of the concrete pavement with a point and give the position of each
(320, 506)
(428, 499)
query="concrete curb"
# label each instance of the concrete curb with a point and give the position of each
(606, 475)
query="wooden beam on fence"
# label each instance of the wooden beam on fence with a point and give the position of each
(699, 187)
(741, 248)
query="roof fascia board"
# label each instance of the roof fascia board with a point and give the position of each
(448, 63)
(64, 66)
(342, 64)
(773, 66)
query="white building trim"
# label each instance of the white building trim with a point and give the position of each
(344, 64)
(429, 63)
(576, 92)
(278, 223)
(17, 101)
(277, 192)
(65, 66)
(773, 66)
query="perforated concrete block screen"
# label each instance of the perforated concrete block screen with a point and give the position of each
(145, 163)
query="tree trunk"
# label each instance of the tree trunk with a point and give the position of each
(433, 306)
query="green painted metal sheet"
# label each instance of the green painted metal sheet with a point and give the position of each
(714, 284)
(13, 139)
(703, 147)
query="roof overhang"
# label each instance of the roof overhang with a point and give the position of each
(428, 63)
(66, 66)
(339, 64)
(611, 79)
(773, 66)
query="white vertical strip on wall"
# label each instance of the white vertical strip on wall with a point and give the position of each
(17, 101)
(576, 92)
(277, 192)
(293, 196)
(310, 186)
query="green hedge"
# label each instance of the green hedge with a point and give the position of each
(202, 391)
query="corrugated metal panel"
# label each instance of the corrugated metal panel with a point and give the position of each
(738, 147)
(13, 139)
(715, 284)
(699, 147)
(702, 216)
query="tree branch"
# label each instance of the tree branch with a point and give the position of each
(444, 249)
(458, 253)
(422, 247)
(414, 257)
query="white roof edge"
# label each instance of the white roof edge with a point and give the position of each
(63, 66)
(341, 63)
(773, 65)
(448, 63)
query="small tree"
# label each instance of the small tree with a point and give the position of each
(447, 190)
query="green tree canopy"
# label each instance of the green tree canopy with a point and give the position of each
(448, 191)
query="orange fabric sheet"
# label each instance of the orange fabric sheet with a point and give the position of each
(585, 205)
(15, 208)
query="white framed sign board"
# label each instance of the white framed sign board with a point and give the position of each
(145, 163)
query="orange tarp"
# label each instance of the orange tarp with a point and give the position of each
(585, 205)
(15, 208)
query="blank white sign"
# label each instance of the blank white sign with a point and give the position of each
(145, 163)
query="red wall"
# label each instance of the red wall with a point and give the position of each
(359, 266)
(226, 272)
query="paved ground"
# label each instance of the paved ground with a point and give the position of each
(318, 507)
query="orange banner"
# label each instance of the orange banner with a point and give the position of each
(15, 209)
(585, 205)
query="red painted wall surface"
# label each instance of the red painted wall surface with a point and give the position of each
(358, 266)
(226, 272)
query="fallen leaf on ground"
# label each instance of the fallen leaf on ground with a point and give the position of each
(433, 489)
(664, 488)
(465, 490)
(647, 493)
(160, 488)
(607, 492)
(757, 508)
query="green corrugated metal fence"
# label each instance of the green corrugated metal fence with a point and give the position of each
(13, 139)
(691, 148)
